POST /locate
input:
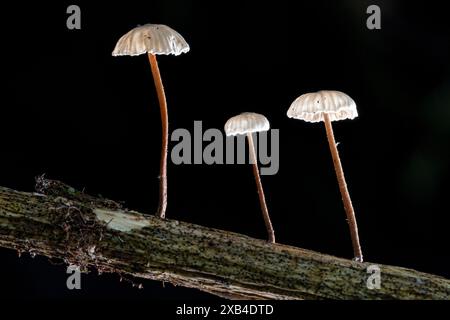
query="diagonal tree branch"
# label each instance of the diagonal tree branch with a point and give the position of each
(61, 222)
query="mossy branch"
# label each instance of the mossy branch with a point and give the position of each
(61, 222)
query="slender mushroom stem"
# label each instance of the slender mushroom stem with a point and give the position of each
(351, 219)
(262, 199)
(165, 136)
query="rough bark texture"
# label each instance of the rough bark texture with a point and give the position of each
(60, 222)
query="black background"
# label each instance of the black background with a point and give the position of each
(72, 111)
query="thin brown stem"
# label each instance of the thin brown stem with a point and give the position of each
(351, 219)
(165, 136)
(262, 199)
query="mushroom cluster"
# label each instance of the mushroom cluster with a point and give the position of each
(326, 106)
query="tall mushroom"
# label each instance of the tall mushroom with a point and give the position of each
(155, 39)
(247, 123)
(328, 106)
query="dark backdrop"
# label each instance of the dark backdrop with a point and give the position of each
(72, 111)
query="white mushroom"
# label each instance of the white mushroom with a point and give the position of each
(151, 38)
(247, 123)
(330, 106)
(155, 39)
(311, 107)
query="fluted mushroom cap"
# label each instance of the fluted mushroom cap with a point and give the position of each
(246, 122)
(151, 38)
(311, 107)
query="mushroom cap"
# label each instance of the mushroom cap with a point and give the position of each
(246, 122)
(311, 107)
(151, 38)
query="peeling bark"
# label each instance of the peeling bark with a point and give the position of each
(61, 222)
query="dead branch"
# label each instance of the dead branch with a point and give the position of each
(61, 222)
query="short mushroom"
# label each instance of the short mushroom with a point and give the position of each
(247, 123)
(330, 106)
(155, 39)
